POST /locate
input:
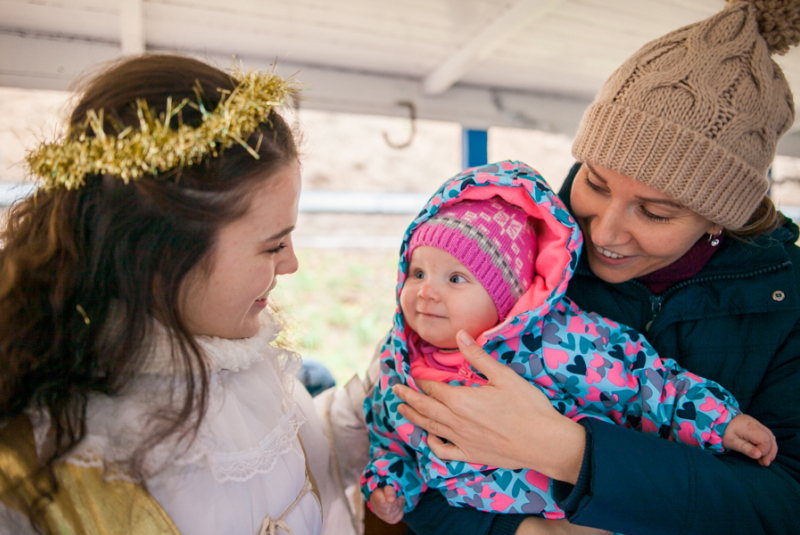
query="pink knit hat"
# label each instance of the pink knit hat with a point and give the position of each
(492, 239)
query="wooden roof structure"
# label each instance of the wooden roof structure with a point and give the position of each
(522, 63)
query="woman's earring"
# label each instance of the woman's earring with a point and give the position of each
(713, 239)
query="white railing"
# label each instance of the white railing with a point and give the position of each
(313, 201)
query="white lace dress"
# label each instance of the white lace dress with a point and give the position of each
(246, 463)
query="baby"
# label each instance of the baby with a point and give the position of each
(492, 253)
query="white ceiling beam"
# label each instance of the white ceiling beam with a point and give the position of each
(52, 64)
(507, 26)
(131, 26)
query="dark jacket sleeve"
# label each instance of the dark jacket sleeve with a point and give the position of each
(434, 516)
(631, 474)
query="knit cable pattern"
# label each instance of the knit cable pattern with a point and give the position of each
(697, 113)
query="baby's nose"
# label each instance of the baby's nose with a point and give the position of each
(427, 291)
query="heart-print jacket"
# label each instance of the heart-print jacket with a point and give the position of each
(588, 365)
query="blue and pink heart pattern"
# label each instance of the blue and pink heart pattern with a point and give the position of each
(587, 365)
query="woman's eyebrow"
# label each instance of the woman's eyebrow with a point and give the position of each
(595, 173)
(665, 202)
(281, 234)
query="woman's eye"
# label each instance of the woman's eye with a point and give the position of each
(455, 279)
(653, 217)
(593, 186)
(277, 249)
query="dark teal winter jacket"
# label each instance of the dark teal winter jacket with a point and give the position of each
(736, 322)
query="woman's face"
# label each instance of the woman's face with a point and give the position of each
(631, 229)
(226, 298)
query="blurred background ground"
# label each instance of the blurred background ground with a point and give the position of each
(340, 303)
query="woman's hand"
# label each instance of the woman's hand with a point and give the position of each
(508, 423)
(536, 525)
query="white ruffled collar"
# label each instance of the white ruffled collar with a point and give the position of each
(237, 355)
(115, 425)
(220, 353)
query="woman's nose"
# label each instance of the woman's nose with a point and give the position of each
(609, 227)
(289, 264)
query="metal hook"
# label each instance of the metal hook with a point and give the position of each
(412, 114)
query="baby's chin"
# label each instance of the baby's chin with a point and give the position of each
(446, 344)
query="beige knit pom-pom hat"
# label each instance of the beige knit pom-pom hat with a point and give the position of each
(697, 114)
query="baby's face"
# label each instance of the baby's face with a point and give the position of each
(440, 297)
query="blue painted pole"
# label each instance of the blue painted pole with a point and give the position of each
(474, 148)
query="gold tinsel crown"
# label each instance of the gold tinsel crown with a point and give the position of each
(156, 147)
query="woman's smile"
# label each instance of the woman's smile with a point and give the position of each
(629, 216)
(609, 255)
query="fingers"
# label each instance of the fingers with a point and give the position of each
(773, 452)
(762, 440)
(744, 447)
(433, 427)
(436, 430)
(424, 410)
(750, 437)
(445, 450)
(396, 515)
(480, 359)
(386, 505)
(377, 499)
(768, 448)
(420, 402)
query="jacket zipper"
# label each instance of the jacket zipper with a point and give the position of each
(655, 307)
(656, 301)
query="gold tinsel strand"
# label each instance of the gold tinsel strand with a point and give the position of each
(155, 147)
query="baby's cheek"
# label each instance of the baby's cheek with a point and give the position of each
(406, 296)
(480, 325)
(407, 305)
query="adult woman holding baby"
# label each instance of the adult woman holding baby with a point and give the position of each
(682, 244)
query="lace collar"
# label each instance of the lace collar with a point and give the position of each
(219, 353)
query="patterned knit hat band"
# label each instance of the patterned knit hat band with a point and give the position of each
(492, 239)
(697, 113)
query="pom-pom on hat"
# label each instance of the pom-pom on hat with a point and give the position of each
(697, 114)
(492, 239)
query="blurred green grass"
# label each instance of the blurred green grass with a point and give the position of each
(338, 306)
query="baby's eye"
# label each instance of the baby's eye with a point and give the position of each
(419, 274)
(455, 279)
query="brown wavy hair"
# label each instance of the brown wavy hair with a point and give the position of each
(77, 265)
(765, 219)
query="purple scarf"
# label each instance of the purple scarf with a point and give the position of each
(683, 268)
